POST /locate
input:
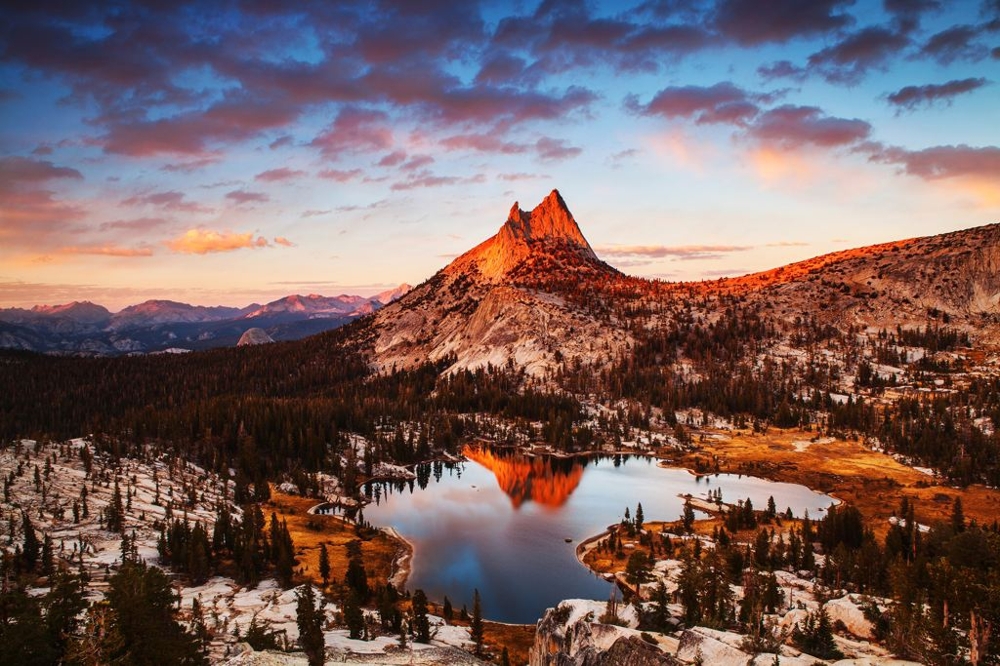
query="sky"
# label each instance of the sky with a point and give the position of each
(232, 152)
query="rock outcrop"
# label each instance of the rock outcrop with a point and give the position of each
(507, 300)
(254, 336)
(564, 637)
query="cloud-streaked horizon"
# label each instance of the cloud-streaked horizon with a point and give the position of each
(370, 132)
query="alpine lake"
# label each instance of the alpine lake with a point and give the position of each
(508, 524)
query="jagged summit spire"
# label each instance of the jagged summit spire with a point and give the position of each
(547, 226)
(550, 220)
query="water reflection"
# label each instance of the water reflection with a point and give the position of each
(543, 480)
(509, 525)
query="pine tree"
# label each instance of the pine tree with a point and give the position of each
(687, 518)
(637, 570)
(142, 600)
(48, 562)
(356, 576)
(31, 547)
(114, 514)
(324, 564)
(448, 611)
(421, 625)
(310, 623)
(476, 624)
(353, 616)
(638, 516)
(661, 610)
(957, 516)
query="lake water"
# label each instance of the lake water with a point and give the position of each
(500, 521)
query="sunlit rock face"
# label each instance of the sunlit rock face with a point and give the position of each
(547, 229)
(540, 479)
(509, 300)
(254, 336)
(535, 297)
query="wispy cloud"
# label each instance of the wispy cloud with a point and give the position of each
(206, 241)
(107, 250)
(244, 196)
(276, 175)
(682, 252)
(169, 200)
(910, 97)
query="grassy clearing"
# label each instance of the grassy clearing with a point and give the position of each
(518, 639)
(309, 532)
(873, 482)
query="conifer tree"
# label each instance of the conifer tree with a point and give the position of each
(353, 616)
(324, 564)
(31, 548)
(421, 625)
(448, 611)
(142, 600)
(476, 624)
(310, 622)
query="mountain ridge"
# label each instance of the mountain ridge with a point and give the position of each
(535, 295)
(82, 327)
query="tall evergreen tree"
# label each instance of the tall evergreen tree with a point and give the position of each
(142, 601)
(310, 622)
(476, 624)
(421, 625)
(31, 547)
(324, 564)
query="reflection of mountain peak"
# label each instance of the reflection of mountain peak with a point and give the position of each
(542, 480)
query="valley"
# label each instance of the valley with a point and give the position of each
(465, 439)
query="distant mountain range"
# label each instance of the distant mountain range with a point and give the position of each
(86, 328)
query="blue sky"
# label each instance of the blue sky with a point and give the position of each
(223, 153)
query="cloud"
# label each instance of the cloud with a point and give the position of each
(941, 162)
(394, 158)
(486, 142)
(907, 13)
(681, 252)
(749, 22)
(790, 126)
(355, 130)
(138, 225)
(910, 97)
(500, 68)
(107, 250)
(190, 166)
(851, 58)
(968, 169)
(787, 244)
(720, 103)
(19, 170)
(243, 196)
(782, 69)
(276, 175)
(313, 212)
(426, 178)
(955, 43)
(515, 177)
(281, 240)
(341, 176)
(236, 117)
(552, 150)
(170, 200)
(29, 210)
(205, 241)
(417, 162)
